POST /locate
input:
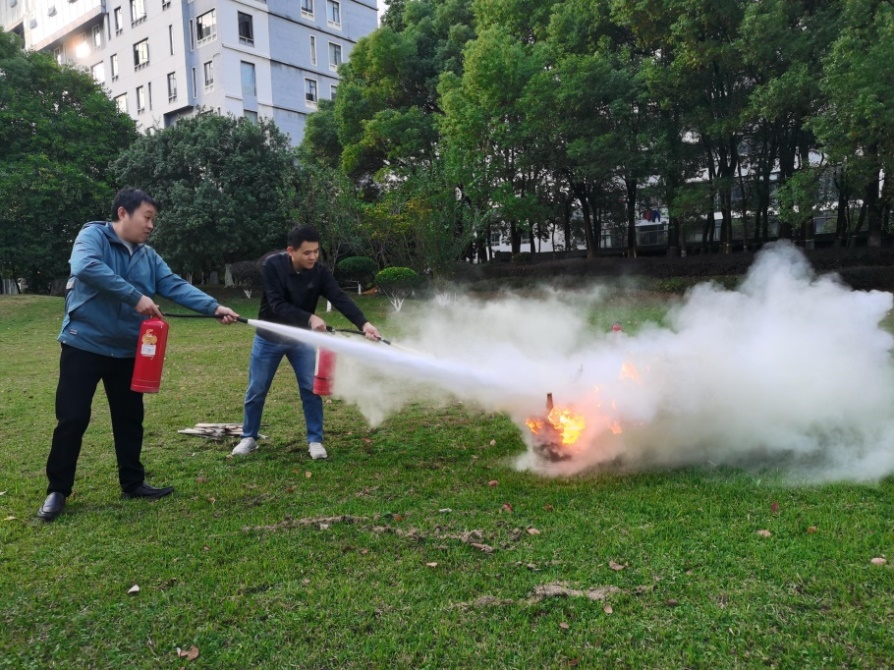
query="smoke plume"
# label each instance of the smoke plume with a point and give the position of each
(790, 370)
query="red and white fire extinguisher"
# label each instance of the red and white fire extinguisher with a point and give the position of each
(325, 372)
(150, 356)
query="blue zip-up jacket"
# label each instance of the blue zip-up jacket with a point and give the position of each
(107, 282)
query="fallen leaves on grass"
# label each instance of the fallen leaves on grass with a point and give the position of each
(190, 654)
(493, 443)
(432, 565)
(878, 560)
(533, 531)
(811, 529)
(564, 625)
(133, 590)
(10, 518)
(506, 507)
(486, 548)
(493, 482)
(774, 507)
(308, 474)
(607, 609)
(549, 508)
(559, 590)
(289, 522)
(616, 566)
(765, 533)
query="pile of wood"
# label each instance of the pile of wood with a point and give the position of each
(214, 431)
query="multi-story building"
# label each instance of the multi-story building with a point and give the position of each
(164, 59)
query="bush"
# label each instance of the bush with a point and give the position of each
(397, 281)
(247, 274)
(522, 257)
(356, 268)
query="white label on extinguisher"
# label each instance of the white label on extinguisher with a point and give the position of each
(147, 350)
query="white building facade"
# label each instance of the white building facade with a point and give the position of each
(161, 60)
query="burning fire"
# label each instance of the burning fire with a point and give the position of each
(567, 424)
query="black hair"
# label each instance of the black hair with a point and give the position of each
(130, 199)
(300, 234)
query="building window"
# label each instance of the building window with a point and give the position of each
(99, 73)
(246, 29)
(250, 115)
(113, 62)
(334, 56)
(206, 27)
(192, 35)
(310, 92)
(307, 8)
(97, 36)
(313, 50)
(121, 101)
(333, 13)
(165, 4)
(141, 99)
(171, 39)
(249, 85)
(141, 54)
(59, 55)
(333, 89)
(149, 94)
(172, 86)
(137, 11)
(208, 69)
(195, 83)
(119, 21)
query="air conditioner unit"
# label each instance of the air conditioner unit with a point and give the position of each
(32, 23)
(52, 11)
(13, 3)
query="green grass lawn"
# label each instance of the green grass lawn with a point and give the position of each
(397, 552)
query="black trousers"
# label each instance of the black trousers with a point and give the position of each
(79, 373)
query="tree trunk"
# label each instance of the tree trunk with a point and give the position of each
(631, 216)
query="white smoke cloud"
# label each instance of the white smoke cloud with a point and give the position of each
(790, 369)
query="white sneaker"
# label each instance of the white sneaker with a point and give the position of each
(316, 451)
(248, 445)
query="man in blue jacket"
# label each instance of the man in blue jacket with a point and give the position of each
(293, 284)
(114, 276)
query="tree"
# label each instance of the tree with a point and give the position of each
(857, 125)
(58, 133)
(225, 187)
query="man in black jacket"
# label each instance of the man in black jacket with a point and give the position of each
(293, 283)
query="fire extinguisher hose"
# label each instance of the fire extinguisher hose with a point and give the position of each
(242, 319)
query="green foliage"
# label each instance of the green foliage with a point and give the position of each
(522, 258)
(58, 133)
(225, 187)
(396, 281)
(357, 268)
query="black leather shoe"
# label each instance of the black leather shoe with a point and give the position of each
(146, 491)
(52, 506)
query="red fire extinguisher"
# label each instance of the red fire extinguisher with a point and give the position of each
(150, 356)
(325, 372)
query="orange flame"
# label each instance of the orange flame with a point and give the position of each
(629, 371)
(567, 424)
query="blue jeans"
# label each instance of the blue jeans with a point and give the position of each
(265, 359)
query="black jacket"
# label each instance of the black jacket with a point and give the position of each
(290, 297)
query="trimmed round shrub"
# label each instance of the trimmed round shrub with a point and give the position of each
(397, 281)
(356, 268)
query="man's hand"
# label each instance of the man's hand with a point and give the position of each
(316, 323)
(147, 307)
(371, 332)
(225, 315)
